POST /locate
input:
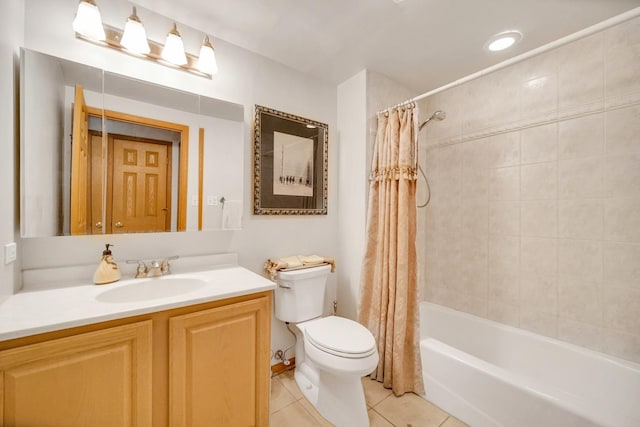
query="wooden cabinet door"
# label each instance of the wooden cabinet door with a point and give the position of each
(100, 378)
(219, 365)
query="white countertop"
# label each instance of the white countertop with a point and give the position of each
(37, 311)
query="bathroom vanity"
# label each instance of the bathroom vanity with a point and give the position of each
(113, 355)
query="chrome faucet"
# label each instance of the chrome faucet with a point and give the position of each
(157, 268)
(142, 269)
(165, 267)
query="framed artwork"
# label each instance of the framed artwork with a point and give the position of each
(290, 164)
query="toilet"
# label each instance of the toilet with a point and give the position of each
(332, 353)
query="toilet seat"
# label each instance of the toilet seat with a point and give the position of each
(340, 337)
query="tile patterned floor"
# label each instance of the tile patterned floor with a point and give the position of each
(289, 408)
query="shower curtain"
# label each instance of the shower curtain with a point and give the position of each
(388, 304)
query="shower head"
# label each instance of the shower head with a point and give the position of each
(438, 115)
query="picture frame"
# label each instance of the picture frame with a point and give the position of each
(290, 164)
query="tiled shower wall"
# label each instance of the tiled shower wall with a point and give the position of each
(534, 219)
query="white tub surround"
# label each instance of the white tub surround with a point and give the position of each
(533, 220)
(489, 374)
(44, 307)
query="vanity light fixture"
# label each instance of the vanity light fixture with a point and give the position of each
(173, 50)
(207, 60)
(134, 38)
(503, 40)
(88, 21)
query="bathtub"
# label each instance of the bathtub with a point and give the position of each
(489, 374)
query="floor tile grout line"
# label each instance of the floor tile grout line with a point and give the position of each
(284, 407)
(373, 405)
(316, 422)
(385, 398)
(311, 415)
(383, 417)
(287, 392)
(293, 392)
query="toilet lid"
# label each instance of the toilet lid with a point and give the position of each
(340, 336)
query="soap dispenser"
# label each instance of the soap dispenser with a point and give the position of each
(107, 271)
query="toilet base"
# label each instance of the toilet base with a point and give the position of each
(338, 398)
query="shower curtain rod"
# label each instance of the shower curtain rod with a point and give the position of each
(552, 45)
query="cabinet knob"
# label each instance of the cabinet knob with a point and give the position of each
(98, 225)
(118, 224)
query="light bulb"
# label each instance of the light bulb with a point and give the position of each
(502, 43)
(88, 21)
(173, 50)
(503, 40)
(207, 59)
(135, 37)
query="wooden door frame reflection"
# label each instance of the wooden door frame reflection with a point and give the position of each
(183, 151)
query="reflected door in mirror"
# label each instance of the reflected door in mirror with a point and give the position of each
(141, 187)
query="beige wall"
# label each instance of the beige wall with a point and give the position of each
(352, 185)
(535, 175)
(359, 98)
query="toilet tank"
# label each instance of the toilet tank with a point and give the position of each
(299, 295)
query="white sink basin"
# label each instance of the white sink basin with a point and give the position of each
(149, 289)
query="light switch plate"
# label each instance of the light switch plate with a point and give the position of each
(10, 252)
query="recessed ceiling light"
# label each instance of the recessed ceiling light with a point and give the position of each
(503, 40)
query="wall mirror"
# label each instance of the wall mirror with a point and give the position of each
(290, 166)
(102, 153)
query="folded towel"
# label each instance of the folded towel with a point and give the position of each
(272, 266)
(311, 260)
(232, 215)
(292, 262)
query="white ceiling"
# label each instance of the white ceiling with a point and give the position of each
(422, 44)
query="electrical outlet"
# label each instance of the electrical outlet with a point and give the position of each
(10, 252)
(194, 201)
(212, 200)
